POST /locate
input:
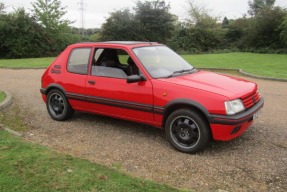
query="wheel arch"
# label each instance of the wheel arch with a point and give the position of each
(185, 103)
(54, 86)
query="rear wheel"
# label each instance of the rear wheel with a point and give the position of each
(187, 131)
(58, 106)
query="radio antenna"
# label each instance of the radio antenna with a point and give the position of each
(142, 37)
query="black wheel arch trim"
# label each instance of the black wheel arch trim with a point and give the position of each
(239, 118)
(189, 102)
(46, 90)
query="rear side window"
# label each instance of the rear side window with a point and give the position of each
(79, 60)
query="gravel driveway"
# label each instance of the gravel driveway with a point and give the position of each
(257, 161)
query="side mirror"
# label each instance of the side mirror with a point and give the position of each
(135, 78)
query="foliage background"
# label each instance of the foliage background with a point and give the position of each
(44, 32)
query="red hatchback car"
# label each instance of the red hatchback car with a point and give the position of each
(149, 83)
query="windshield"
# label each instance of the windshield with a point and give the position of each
(160, 61)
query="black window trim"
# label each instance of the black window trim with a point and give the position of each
(93, 56)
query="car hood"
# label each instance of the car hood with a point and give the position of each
(227, 86)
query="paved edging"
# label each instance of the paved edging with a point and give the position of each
(7, 101)
(261, 77)
(246, 74)
(11, 131)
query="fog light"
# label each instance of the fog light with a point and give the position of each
(235, 130)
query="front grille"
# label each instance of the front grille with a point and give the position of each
(251, 99)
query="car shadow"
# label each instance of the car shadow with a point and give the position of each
(152, 133)
(123, 125)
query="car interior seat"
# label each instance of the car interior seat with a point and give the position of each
(108, 63)
(110, 58)
(132, 69)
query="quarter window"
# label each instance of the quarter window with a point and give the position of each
(79, 60)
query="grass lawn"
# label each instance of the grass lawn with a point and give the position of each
(269, 65)
(29, 167)
(2, 96)
(26, 63)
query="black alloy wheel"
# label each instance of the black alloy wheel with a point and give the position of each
(187, 131)
(58, 106)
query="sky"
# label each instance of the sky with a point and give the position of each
(96, 11)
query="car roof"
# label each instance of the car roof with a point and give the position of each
(123, 43)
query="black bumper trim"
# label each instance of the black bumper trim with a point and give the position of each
(238, 118)
(43, 91)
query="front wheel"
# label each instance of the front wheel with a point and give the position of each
(187, 131)
(58, 106)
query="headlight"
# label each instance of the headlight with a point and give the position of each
(233, 107)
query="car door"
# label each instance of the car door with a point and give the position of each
(109, 93)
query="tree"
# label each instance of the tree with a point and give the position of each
(265, 30)
(40, 35)
(50, 14)
(151, 21)
(156, 22)
(21, 36)
(283, 29)
(200, 15)
(2, 7)
(203, 32)
(266, 27)
(236, 30)
(225, 22)
(257, 5)
(120, 25)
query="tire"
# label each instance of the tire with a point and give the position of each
(58, 106)
(187, 131)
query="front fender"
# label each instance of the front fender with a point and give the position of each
(183, 102)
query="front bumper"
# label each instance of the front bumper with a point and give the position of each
(225, 127)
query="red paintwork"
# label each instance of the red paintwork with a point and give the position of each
(222, 132)
(120, 90)
(207, 88)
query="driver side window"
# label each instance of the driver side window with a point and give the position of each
(113, 63)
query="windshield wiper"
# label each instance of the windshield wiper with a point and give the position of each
(180, 71)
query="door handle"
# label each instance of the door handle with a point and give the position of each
(92, 82)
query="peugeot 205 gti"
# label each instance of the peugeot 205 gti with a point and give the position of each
(151, 84)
